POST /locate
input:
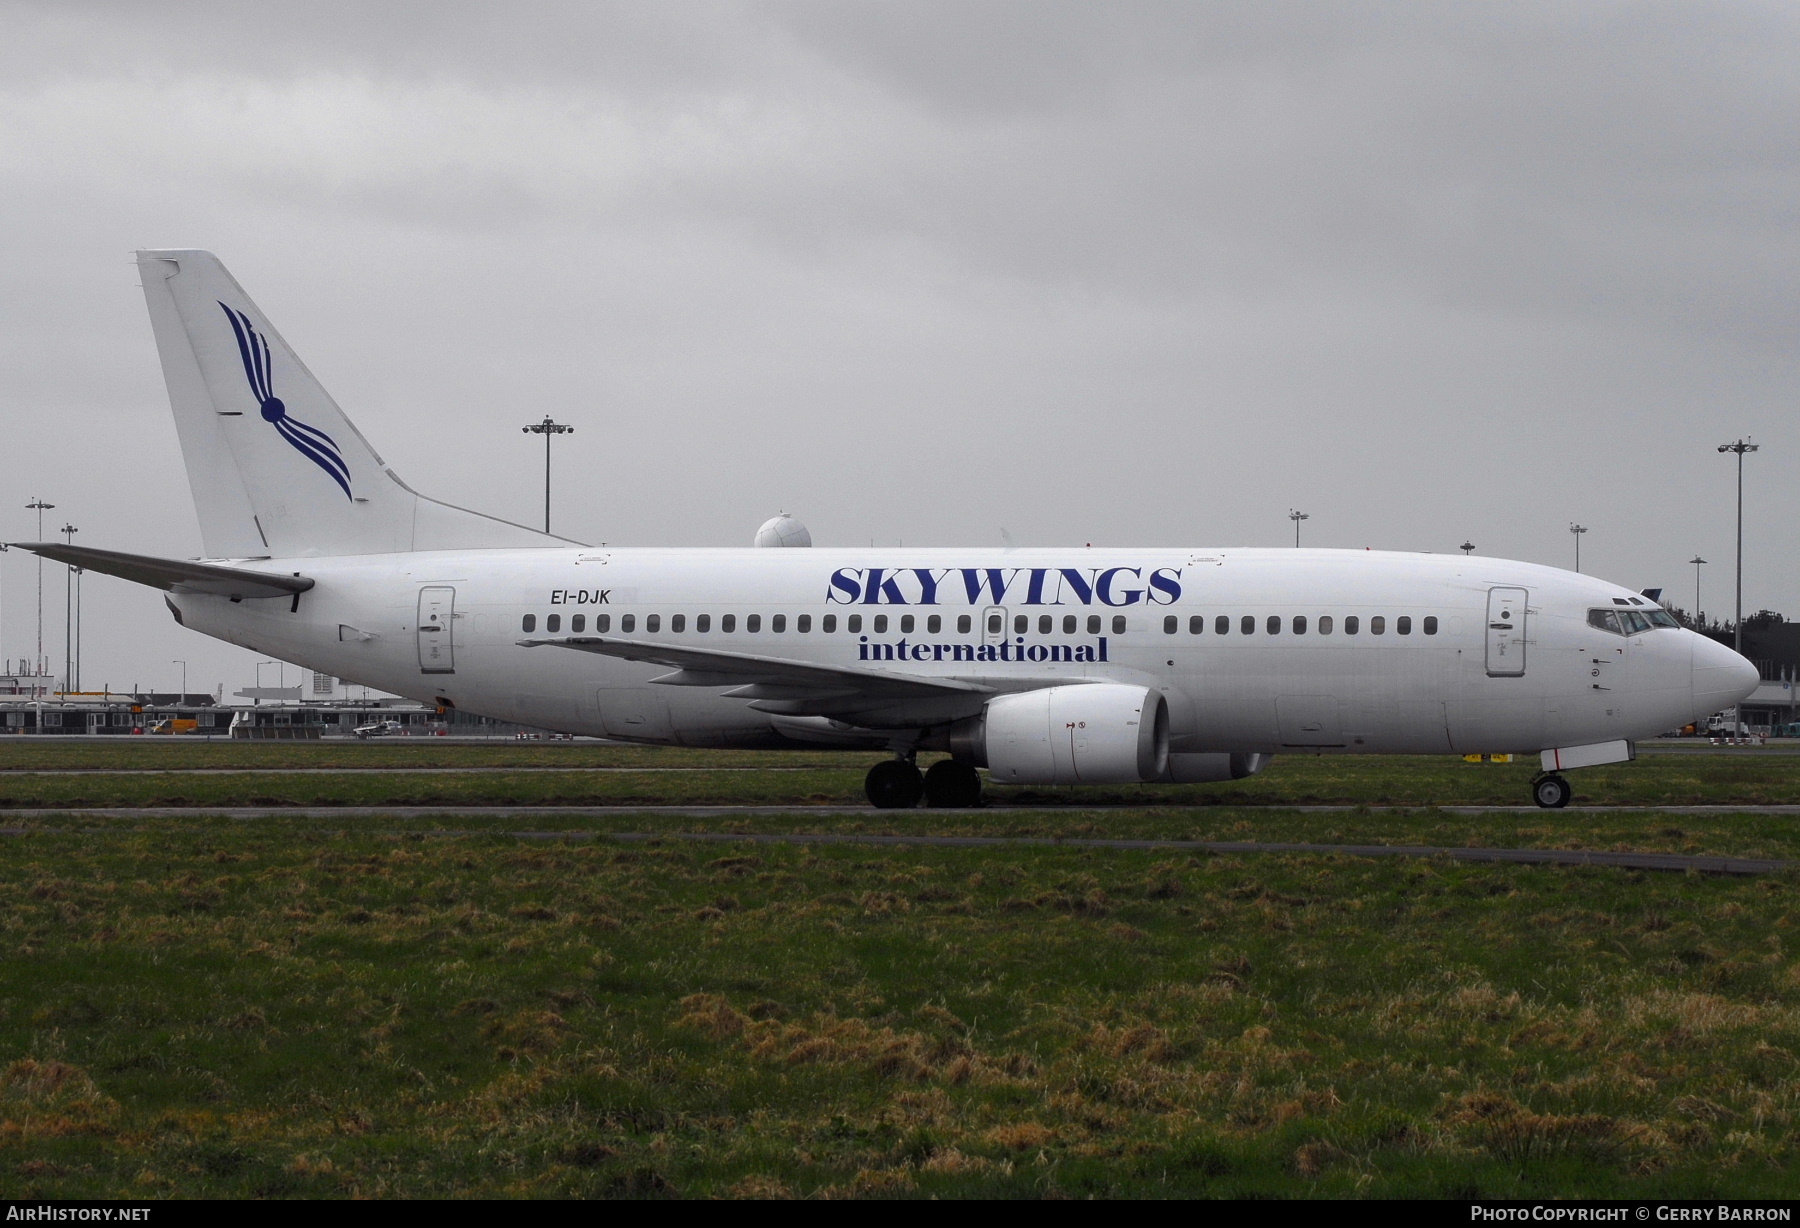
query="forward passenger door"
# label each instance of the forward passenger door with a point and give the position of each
(1506, 632)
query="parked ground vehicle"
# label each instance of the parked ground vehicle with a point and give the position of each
(379, 729)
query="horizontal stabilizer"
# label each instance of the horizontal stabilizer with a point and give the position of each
(172, 575)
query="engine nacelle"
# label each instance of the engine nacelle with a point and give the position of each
(1086, 733)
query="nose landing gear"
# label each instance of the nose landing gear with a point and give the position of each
(1551, 791)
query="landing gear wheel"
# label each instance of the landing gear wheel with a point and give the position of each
(1551, 792)
(894, 784)
(952, 785)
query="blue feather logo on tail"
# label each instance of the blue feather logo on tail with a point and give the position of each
(309, 441)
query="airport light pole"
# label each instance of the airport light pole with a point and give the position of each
(1297, 517)
(547, 428)
(1577, 530)
(1697, 561)
(1737, 617)
(37, 664)
(69, 531)
(1468, 548)
(1740, 447)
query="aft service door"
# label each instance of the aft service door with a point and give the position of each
(437, 633)
(1506, 632)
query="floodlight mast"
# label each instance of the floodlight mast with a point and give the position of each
(547, 428)
(1740, 447)
(1698, 562)
(1577, 530)
(37, 504)
(1297, 517)
(69, 650)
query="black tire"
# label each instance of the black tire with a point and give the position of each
(894, 784)
(952, 785)
(1551, 792)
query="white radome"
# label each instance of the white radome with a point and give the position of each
(783, 530)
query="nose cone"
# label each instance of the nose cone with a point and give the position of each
(1721, 677)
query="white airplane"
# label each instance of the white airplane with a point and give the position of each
(1062, 666)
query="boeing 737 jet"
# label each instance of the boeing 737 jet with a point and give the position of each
(1041, 666)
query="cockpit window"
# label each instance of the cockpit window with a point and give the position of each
(1661, 618)
(1634, 621)
(1605, 620)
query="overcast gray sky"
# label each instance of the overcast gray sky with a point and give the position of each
(1120, 273)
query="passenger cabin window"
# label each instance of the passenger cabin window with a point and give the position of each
(603, 622)
(678, 622)
(1222, 625)
(578, 623)
(1046, 624)
(1403, 624)
(906, 624)
(553, 623)
(1069, 624)
(1352, 624)
(1299, 624)
(934, 624)
(753, 623)
(1171, 624)
(1605, 620)
(1118, 624)
(995, 626)
(1430, 624)
(628, 623)
(727, 623)
(1196, 624)
(853, 622)
(1274, 624)
(1247, 624)
(703, 623)
(1021, 624)
(528, 623)
(828, 624)
(1377, 624)
(803, 623)
(653, 622)
(778, 623)
(963, 624)
(880, 623)
(1324, 624)
(1093, 624)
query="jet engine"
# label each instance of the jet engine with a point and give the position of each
(1086, 733)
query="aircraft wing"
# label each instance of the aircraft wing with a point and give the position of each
(776, 684)
(172, 575)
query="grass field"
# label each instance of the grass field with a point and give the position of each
(198, 1006)
(808, 778)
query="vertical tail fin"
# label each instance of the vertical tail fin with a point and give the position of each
(275, 467)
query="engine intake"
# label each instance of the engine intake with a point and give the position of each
(1086, 733)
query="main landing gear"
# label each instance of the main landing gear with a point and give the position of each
(1551, 791)
(897, 784)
